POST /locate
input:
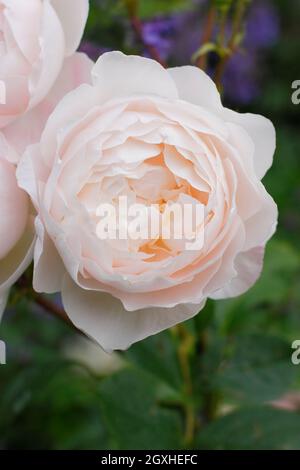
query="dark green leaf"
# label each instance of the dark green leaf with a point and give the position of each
(258, 369)
(133, 415)
(253, 428)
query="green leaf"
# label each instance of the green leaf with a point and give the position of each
(133, 416)
(203, 50)
(150, 8)
(238, 39)
(205, 317)
(157, 356)
(253, 428)
(60, 399)
(259, 369)
(222, 5)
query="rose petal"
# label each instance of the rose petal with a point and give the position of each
(104, 319)
(262, 132)
(18, 260)
(52, 54)
(48, 267)
(73, 16)
(24, 21)
(248, 266)
(117, 75)
(13, 208)
(196, 87)
(3, 301)
(27, 129)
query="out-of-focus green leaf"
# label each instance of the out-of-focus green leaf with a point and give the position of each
(62, 397)
(148, 8)
(133, 416)
(157, 355)
(253, 428)
(258, 369)
(203, 50)
(205, 317)
(223, 5)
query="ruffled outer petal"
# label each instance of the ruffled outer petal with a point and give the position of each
(13, 208)
(48, 266)
(248, 266)
(3, 301)
(52, 55)
(196, 87)
(27, 129)
(38, 36)
(16, 262)
(104, 319)
(30, 170)
(117, 75)
(73, 16)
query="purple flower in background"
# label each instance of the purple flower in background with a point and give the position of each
(242, 76)
(262, 29)
(176, 37)
(160, 32)
(92, 50)
(190, 25)
(241, 79)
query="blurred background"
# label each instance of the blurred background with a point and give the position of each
(224, 380)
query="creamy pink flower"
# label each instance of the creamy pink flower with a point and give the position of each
(35, 38)
(16, 214)
(154, 135)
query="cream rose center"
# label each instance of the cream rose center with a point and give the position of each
(153, 152)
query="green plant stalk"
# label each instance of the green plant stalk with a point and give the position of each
(185, 349)
(207, 34)
(232, 45)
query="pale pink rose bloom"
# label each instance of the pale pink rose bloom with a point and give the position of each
(35, 38)
(17, 231)
(156, 135)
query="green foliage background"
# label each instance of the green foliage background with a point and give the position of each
(221, 374)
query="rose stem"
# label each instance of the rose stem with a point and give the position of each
(138, 29)
(207, 33)
(51, 307)
(185, 347)
(232, 45)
